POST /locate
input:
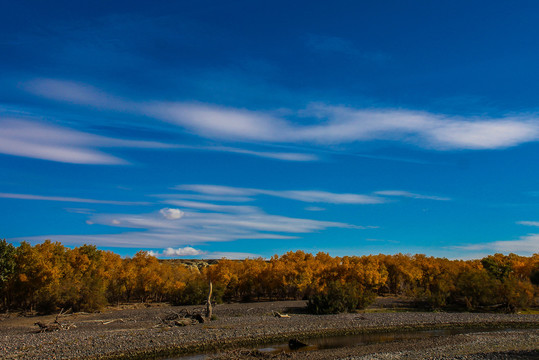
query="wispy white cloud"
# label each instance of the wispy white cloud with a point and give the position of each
(287, 156)
(348, 125)
(310, 196)
(230, 255)
(407, 194)
(425, 129)
(528, 223)
(85, 211)
(39, 140)
(189, 251)
(212, 207)
(482, 134)
(332, 44)
(314, 208)
(525, 245)
(220, 122)
(382, 241)
(69, 199)
(333, 125)
(324, 44)
(204, 197)
(76, 93)
(219, 190)
(217, 223)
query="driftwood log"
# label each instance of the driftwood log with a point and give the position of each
(279, 315)
(185, 318)
(54, 326)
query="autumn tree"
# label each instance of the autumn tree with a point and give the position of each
(49, 276)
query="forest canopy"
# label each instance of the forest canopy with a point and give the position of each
(50, 276)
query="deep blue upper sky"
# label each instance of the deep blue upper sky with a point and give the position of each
(238, 129)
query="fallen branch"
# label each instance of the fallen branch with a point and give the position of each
(279, 315)
(55, 325)
(181, 318)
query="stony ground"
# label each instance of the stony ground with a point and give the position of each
(134, 331)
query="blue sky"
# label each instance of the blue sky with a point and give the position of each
(211, 129)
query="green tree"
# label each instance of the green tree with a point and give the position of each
(497, 266)
(340, 297)
(7, 269)
(477, 289)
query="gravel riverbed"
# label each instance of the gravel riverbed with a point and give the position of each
(133, 333)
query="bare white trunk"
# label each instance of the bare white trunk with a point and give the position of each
(208, 304)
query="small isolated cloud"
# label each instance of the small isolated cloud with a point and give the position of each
(89, 222)
(185, 251)
(410, 195)
(528, 223)
(115, 222)
(171, 214)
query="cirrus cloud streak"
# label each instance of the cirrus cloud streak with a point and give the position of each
(320, 123)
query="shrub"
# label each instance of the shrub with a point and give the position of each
(477, 289)
(338, 297)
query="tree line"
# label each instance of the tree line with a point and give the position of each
(49, 276)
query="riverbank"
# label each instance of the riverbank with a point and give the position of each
(498, 344)
(134, 333)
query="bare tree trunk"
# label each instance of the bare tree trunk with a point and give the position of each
(208, 304)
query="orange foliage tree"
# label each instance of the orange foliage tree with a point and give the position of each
(50, 276)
